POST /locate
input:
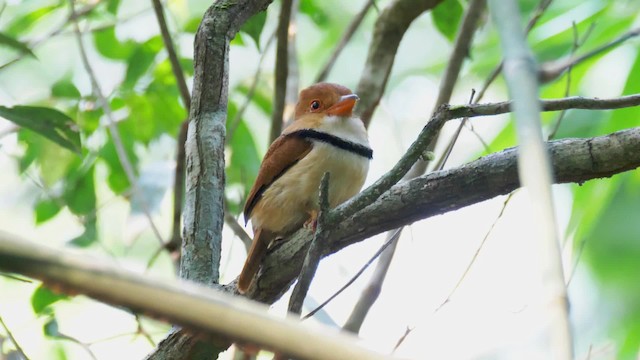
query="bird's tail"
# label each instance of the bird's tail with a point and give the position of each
(258, 250)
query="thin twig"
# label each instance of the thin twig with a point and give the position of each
(447, 152)
(346, 37)
(572, 102)
(402, 338)
(314, 253)
(371, 292)
(460, 51)
(475, 255)
(178, 185)
(576, 44)
(357, 274)
(581, 248)
(142, 331)
(540, 10)
(173, 56)
(85, 346)
(461, 47)
(60, 29)
(293, 73)
(173, 245)
(235, 226)
(15, 277)
(13, 339)
(113, 128)
(282, 69)
(252, 90)
(551, 70)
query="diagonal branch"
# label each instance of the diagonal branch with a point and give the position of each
(6, 329)
(123, 158)
(390, 27)
(173, 56)
(552, 70)
(346, 37)
(206, 312)
(314, 254)
(462, 44)
(276, 278)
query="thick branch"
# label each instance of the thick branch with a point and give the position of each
(206, 312)
(573, 160)
(389, 30)
(204, 210)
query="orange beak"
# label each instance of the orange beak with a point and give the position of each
(344, 106)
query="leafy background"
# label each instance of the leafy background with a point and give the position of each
(64, 184)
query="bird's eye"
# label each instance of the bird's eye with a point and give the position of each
(315, 105)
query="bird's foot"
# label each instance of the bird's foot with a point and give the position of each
(312, 223)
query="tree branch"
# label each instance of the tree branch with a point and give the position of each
(371, 292)
(283, 264)
(314, 254)
(540, 9)
(204, 209)
(15, 342)
(390, 27)
(464, 37)
(346, 37)
(206, 312)
(552, 70)
(121, 153)
(171, 51)
(282, 69)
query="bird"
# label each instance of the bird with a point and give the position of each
(325, 136)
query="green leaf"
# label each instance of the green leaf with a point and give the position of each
(19, 46)
(65, 89)
(46, 209)
(112, 6)
(446, 17)
(80, 192)
(110, 47)
(254, 26)
(50, 123)
(141, 59)
(627, 117)
(192, 25)
(316, 13)
(117, 178)
(238, 40)
(51, 328)
(22, 24)
(244, 162)
(42, 297)
(89, 236)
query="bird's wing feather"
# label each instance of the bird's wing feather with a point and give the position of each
(283, 153)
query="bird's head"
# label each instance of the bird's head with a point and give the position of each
(326, 99)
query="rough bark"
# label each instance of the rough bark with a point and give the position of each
(204, 210)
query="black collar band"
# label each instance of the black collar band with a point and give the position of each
(333, 140)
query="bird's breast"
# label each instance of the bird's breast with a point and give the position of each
(286, 204)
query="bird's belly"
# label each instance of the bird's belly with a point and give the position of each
(287, 203)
